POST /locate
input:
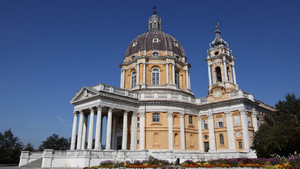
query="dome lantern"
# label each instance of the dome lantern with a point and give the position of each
(154, 22)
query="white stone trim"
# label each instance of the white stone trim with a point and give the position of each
(91, 129)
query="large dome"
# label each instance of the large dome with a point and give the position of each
(155, 40)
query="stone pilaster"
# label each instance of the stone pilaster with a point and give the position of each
(212, 146)
(254, 119)
(230, 133)
(142, 130)
(244, 120)
(170, 124)
(182, 138)
(200, 134)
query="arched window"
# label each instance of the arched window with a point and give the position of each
(155, 54)
(227, 73)
(177, 78)
(221, 139)
(218, 74)
(155, 76)
(133, 79)
(132, 57)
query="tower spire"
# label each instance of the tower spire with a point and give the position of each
(218, 41)
(154, 10)
(154, 22)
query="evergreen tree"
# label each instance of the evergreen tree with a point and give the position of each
(29, 147)
(55, 142)
(10, 148)
(280, 134)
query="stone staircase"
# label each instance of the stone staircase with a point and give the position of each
(33, 165)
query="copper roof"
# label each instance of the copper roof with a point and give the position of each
(164, 42)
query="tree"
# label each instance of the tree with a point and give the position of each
(56, 143)
(10, 148)
(280, 134)
(29, 147)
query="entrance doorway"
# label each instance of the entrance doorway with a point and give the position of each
(119, 142)
(206, 146)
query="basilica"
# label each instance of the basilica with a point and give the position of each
(154, 111)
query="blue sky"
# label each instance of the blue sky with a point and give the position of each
(50, 49)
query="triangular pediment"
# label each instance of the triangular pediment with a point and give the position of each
(84, 93)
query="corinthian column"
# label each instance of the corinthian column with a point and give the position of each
(79, 138)
(124, 141)
(84, 132)
(74, 131)
(91, 129)
(108, 129)
(133, 131)
(98, 129)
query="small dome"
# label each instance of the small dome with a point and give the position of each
(155, 40)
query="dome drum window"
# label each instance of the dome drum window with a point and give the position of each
(155, 54)
(155, 40)
(155, 76)
(132, 57)
(134, 44)
(133, 79)
(176, 44)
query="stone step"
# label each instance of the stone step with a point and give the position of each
(34, 164)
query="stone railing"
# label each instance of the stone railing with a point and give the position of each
(115, 90)
(171, 97)
(241, 94)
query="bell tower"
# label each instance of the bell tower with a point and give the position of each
(221, 72)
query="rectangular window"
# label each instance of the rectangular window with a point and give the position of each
(138, 118)
(204, 124)
(249, 121)
(236, 120)
(240, 145)
(138, 141)
(120, 121)
(155, 117)
(220, 123)
(190, 119)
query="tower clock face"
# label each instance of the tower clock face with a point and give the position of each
(217, 94)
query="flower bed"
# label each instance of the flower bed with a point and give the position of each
(268, 163)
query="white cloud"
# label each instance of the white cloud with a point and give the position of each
(59, 118)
